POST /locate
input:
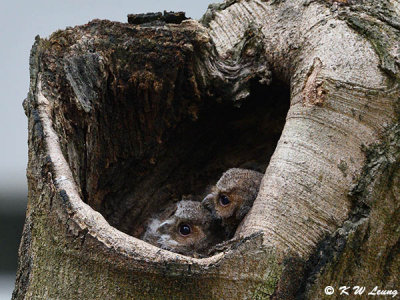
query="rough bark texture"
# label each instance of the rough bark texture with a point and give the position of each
(125, 117)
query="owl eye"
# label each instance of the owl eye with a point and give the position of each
(184, 229)
(224, 200)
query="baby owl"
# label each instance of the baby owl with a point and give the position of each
(185, 227)
(232, 197)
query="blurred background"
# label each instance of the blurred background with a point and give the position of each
(20, 22)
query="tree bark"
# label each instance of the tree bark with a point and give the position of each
(123, 118)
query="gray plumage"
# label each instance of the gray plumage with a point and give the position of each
(184, 227)
(232, 197)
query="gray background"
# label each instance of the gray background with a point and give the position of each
(20, 22)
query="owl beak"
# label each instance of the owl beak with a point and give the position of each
(164, 226)
(207, 202)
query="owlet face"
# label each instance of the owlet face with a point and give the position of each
(185, 229)
(233, 195)
(227, 203)
(223, 203)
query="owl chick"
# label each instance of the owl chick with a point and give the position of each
(185, 227)
(232, 197)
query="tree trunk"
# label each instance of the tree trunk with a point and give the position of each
(124, 117)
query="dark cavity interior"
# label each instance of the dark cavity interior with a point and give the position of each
(140, 152)
(194, 156)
